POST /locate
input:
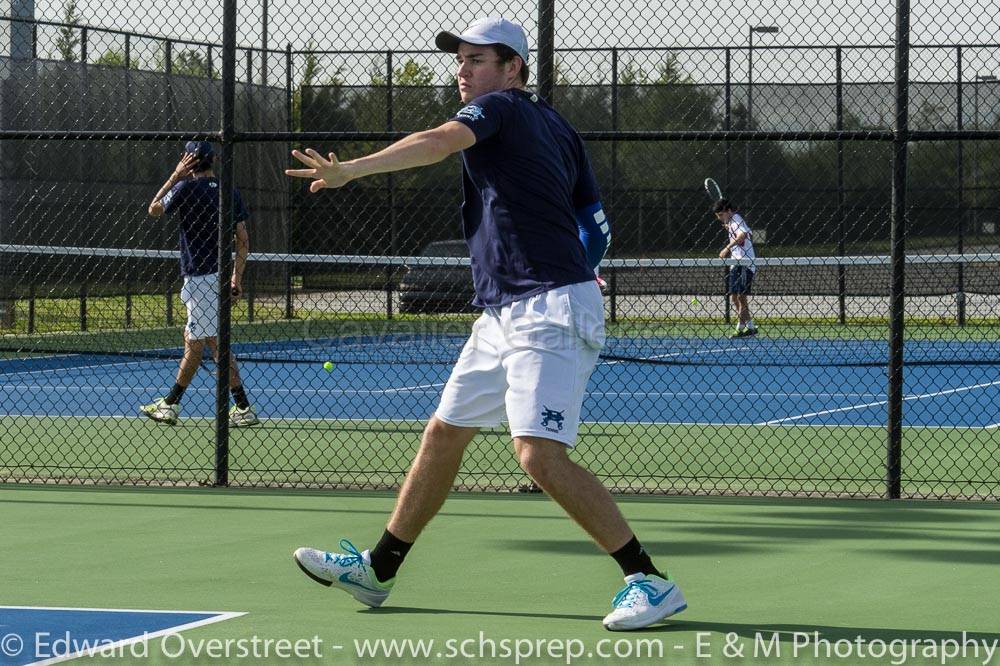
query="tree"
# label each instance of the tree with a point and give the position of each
(190, 62)
(68, 41)
(115, 58)
(320, 106)
(309, 71)
(630, 75)
(413, 73)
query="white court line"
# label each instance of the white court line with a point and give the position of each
(209, 389)
(727, 394)
(81, 367)
(920, 396)
(219, 616)
(993, 426)
(674, 354)
(318, 391)
(346, 421)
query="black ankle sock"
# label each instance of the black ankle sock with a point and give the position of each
(240, 396)
(175, 395)
(633, 558)
(387, 556)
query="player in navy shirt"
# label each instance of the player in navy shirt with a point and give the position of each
(191, 196)
(529, 243)
(536, 233)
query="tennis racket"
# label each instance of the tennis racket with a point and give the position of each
(713, 190)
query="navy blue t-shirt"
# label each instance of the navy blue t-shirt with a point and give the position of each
(196, 203)
(523, 179)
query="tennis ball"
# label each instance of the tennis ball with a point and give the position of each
(328, 366)
(694, 301)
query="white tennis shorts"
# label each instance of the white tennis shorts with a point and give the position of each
(200, 294)
(529, 362)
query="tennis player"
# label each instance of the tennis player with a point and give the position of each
(740, 246)
(536, 231)
(191, 194)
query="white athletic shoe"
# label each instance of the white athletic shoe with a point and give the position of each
(241, 418)
(160, 411)
(351, 572)
(643, 601)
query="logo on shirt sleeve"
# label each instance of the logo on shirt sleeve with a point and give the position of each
(472, 112)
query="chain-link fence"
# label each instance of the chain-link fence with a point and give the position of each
(842, 134)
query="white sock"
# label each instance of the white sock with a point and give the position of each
(751, 325)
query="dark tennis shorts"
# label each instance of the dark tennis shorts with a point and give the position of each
(740, 280)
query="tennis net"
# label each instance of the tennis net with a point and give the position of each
(85, 304)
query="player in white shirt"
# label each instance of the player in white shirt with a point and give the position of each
(740, 246)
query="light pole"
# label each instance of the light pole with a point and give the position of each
(763, 29)
(975, 158)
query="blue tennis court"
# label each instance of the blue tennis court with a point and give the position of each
(715, 381)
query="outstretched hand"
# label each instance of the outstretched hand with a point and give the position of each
(324, 172)
(185, 167)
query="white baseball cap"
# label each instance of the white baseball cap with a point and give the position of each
(489, 30)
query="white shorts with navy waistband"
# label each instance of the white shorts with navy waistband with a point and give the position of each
(529, 363)
(200, 294)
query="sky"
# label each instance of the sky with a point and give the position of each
(411, 24)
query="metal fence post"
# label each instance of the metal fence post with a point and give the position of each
(615, 102)
(391, 186)
(894, 450)
(289, 126)
(841, 231)
(959, 125)
(726, 305)
(226, 189)
(546, 49)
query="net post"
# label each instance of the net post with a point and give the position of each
(725, 296)
(168, 292)
(83, 307)
(225, 230)
(897, 292)
(251, 298)
(31, 309)
(613, 295)
(128, 304)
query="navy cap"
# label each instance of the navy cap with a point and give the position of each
(201, 149)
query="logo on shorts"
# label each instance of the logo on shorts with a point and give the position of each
(551, 415)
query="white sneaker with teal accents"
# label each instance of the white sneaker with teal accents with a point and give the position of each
(351, 572)
(644, 600)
